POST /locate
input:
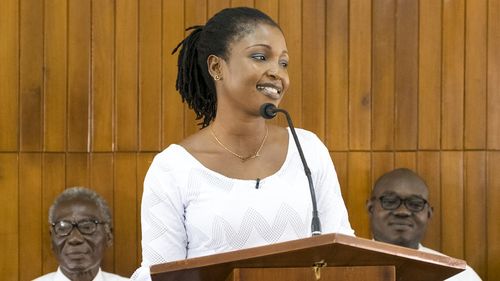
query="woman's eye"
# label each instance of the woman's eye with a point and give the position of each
(284, 64)
(259, 57)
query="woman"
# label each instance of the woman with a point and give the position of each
(238, 182)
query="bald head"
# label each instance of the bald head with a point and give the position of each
(398, 208)
(400, 178)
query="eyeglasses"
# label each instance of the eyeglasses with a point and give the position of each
(87, 227)
(414, 204)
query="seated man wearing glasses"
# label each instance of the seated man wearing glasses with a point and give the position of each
(399, 213)
(80, 229)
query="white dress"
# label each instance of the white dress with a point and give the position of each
(189, 210)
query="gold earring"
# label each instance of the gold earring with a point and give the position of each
(217, 77)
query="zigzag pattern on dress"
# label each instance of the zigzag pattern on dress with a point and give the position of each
(223, 233)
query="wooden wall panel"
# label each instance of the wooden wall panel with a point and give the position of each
(77, 169)
(79, 48)
(337, 75)
(30, 222)
(313, 79)
(102, 95)
(88, 98)
(475, 222)
(383, 81)
(452, 104)
(360, 74)
(150, 63)
(9, 75)
(492, 211)
(405, 159)
(55, 75)
(126, 208)
(31, 78)
(9, 229)
(475, 74)
(172, 109)
(452, 206)
(358, 181)
(493, 99)
(126, 101)
(429, 73)
(406, 77)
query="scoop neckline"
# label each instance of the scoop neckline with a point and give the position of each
(219, 175)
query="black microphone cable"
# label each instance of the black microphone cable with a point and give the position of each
(268, 111)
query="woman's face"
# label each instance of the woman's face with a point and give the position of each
(256, 70)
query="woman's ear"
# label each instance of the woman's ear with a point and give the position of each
(214, 67)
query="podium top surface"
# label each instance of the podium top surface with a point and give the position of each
(334, 249)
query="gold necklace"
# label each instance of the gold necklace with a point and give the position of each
(242, 158)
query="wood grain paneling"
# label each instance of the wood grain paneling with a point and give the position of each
(406, 77)
(429, 73)
(452, 203)
(125, 213)
(79, 48)
(384, 20)
(9, 75)
(126, 101)
(313, 79)
(55, 75)
(360, 98)
(337, 75)
(150, 63)
(31, 77)
(492, 211)
(475, 222)
(30, 222)
(452, 104)
(493, 99)
(9, 229)
(87, 94)
(475, 74)
(358, 180)
(102, 95)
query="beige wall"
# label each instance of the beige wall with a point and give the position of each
(87, 98)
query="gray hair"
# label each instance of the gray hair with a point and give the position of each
(84, 194)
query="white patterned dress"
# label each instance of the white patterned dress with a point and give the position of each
(189, 210)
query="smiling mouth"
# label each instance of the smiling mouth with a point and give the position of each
(270, 91)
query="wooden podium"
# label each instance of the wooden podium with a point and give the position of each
(324, 257)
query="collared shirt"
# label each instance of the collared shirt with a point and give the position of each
(467, 275)
(59, 276)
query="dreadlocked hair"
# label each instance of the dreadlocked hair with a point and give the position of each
(194, 82)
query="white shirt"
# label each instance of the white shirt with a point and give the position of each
(59, 276)
(189, 211)
(467, 275)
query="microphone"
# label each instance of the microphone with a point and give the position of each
(269, 111)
